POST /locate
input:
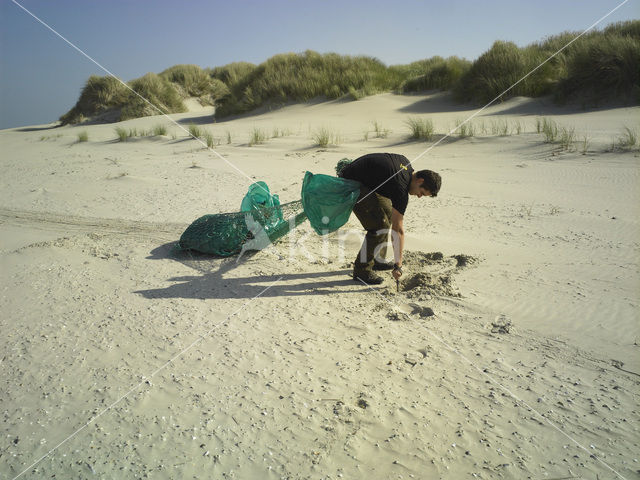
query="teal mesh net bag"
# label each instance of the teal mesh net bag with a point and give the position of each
(326, 201)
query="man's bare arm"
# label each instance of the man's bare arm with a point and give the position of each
(397, 235)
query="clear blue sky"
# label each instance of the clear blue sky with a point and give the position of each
(41, 76)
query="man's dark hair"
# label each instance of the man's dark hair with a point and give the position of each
(432, 181)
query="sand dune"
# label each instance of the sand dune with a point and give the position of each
(280, 366)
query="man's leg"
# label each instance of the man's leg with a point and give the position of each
(374, 213)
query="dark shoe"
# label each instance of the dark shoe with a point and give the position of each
(385, 265)
(369, 278)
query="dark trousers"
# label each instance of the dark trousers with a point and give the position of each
(374, 213)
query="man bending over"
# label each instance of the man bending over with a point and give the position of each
(388, 179)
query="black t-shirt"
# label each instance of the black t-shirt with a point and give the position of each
(375, 171)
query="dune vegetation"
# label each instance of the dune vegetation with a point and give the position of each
(600, 66)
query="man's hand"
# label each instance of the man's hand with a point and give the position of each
(397, 272)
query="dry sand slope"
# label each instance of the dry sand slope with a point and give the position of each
(511, 351)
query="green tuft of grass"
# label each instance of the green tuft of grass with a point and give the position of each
(627, 140)
(500, 127)
(517, 128)
(324, 137)
(567, 138)
(420, 128)
(159, 130)
(280, 132)
(208, 138)
(550, 130)
(83, 136)
(122, 134)
(195, 131)
(381, 132)
(465, 129)
(557, 134)
(257, 137)
(586, 141)
(228, 137)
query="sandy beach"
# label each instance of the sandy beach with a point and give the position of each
(511, 351)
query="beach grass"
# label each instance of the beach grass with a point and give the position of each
(122, 134)
(209, 139)
(194, 130)
(257, 137)
(585, 144)
(500, 127)
(600, 66)
(435, 73)
(550, 130)
(153, 95)
(627, 140)
(379, 130)
(159, 130)
(83, 136)
(324, 136)
(420, 128)
(193, 81)
(567, 138)
(465, 128)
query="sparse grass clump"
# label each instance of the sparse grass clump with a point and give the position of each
(280, 132)
(465, 128)
(122, 134)
(626, 141)
(550, 130)
(257, 137)
(585, 144)
(567, 138)
(500, 127)
(195, 131)
(83, 136)
(44, 138)
(159, 130)
(517, 127)
(421, 128)
(381, 132)
(324, 137)
(554, 133)
(208, 138)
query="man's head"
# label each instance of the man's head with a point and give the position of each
(425, 183)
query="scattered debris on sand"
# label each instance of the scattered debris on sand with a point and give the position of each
(501, 324)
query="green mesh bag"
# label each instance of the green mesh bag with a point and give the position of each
(328, 201)
(261, 221)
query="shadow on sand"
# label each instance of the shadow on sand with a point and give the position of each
(215, 282)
